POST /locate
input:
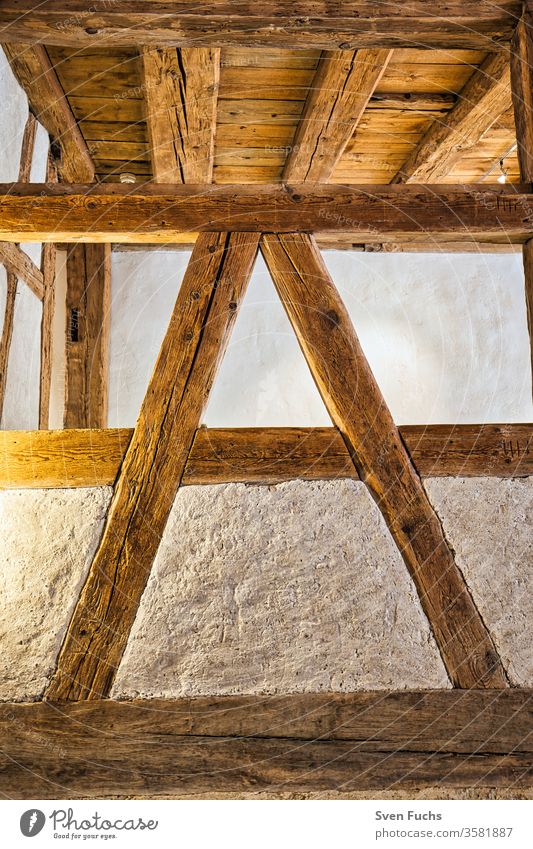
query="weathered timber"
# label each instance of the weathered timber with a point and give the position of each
(34, 71)
(17, 262)
(7, 333)
(254, 744)
(87, 336)
(181, 89)
(48, 268)
(28, 144)
(350, 24)
(343, 84)
(354, 401)
(151, 473)
(71, 458)
(484, 98)
(157, 213)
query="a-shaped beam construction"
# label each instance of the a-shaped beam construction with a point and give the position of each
(356, 405)
(149, 477)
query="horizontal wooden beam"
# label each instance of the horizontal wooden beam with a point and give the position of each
(163, 213)
(254, 744)
(352, 24)
(73, 458)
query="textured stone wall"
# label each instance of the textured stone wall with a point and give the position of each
(296, 587)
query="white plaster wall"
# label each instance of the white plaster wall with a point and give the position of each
(446, 336)
(21, 402)
(266, 589)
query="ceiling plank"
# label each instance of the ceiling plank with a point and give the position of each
(305, 743)
(343, 84)
(199, 329)
(157, 213)
(75, 458)
(180, 89)
(355, 403)
(35, 74)
(484, 98)
(350, 25)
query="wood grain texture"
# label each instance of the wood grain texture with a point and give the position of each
(17, 262)
(28, 144)
(522, 92)
(87, 336)
(357, 407)
(7, 333)
(71, 458)
(484, 98)
(156, 213)
(340, 91)
(181, 88)
(527, 257)
(307, 23)
(256, 744)
(34, 72)
(149, 477)
(48, 268)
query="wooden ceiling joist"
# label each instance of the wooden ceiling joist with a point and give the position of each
(484, 98)
(352, 24)
(355, 403)
(181, 88)
(151, 473)
(75, 458)
(308, 743)
(155, 213)
(34, 72)
(343, 84)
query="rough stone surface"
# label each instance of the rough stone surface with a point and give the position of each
(288, 588)
(47, 542)
(489, 523)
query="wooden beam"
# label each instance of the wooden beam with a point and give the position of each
(305, 24)
(17, 262)
(149, 477)
(70, 458)
(522, 86)
(28, 144)
(35, 73)
(267, 744)
(7, 333)
(354, 401)
(156, 213)
(88, 336)
(48, 268)
(484, 98)
(342, 86)
(181, 89)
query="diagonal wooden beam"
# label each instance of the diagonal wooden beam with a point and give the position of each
(522, 86)
(35, 74)
(199, 329)
(181, 89)
(88, 303)
(483, 99)
(7, 333)
(28, 145)
(22, 266)
(356, 405)
(343, 84)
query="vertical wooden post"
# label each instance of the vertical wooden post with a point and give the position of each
(87, 344)
(48, 268)
(7, 333)
(522, 91)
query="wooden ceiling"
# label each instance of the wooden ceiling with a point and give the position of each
(261, 98)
